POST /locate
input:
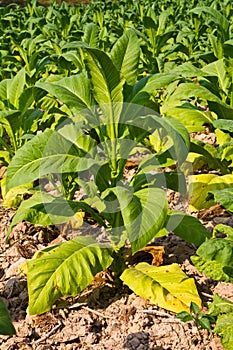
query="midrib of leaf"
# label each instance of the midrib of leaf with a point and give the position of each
(221, 77)
(108, 93)
(15, 88)
(45, 288)
(62, 88)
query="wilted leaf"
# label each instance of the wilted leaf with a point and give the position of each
(166, 286)
(14, 196)
(152, 253)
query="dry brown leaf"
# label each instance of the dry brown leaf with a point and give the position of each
(150, 254)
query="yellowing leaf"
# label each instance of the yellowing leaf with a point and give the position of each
(77, 220)
(15, 195)
(166, 286)
(201, 185)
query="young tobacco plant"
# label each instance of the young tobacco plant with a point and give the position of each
(22, 116)
(219, 319)
(201, 319)
(107, 121)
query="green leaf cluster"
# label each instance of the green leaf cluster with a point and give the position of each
(215, 256)
(222, 310)
(107, 120)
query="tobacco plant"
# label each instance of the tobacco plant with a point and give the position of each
(219, 319)
(108, 120)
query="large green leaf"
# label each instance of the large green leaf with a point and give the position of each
(11, 91)
(188, 90)
(188, 70)
(90, 36)
(3, 92)
(174, 130)
(11, 121)
(187, 227)
(75, 134)
(64, 271)
(144, 213)
(226, 125)
(44, 209)
(148, 85)
(125, 55)
(15, 88)
(74, 91)
(192, 118)
(172, 180)
(46, 153)
(219, 19)
(166, 286)
(106, 83)
(218, 69)
(6, 327)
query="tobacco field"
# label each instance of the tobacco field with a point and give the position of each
(116, 175)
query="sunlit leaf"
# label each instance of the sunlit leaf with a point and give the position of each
(165, 286)
(64, 271)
